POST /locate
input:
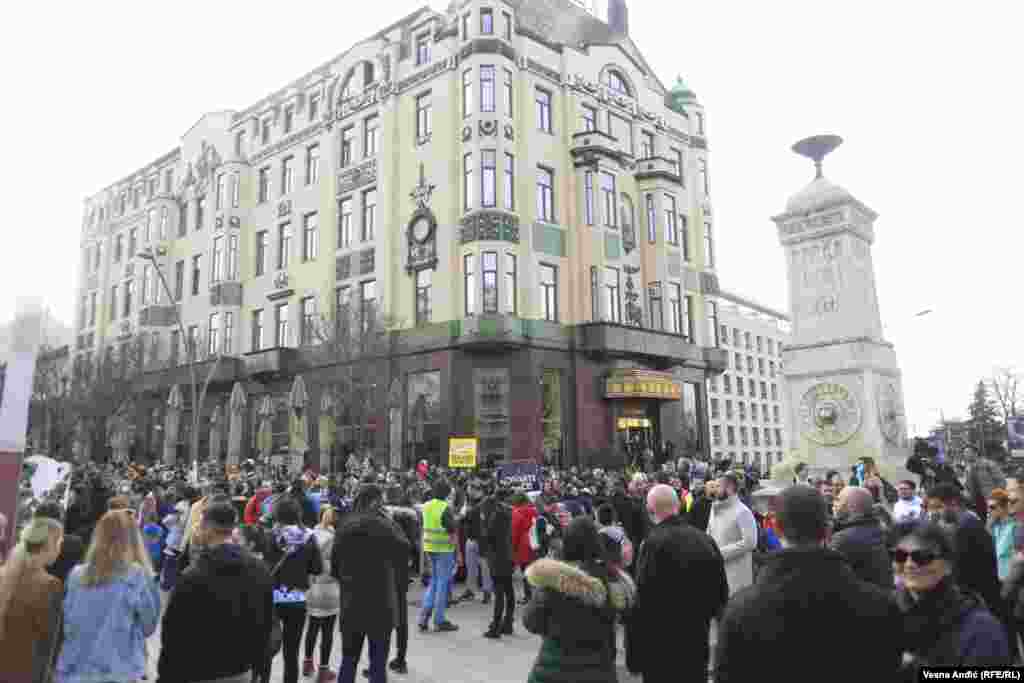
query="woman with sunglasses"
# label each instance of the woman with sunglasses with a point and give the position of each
(942, 625)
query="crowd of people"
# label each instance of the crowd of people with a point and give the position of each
(794, 571)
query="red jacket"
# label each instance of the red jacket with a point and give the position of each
(522, 520)
(252, 508)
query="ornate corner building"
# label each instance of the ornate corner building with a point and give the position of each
(507, 184)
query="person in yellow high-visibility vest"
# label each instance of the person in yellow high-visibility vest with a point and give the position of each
(439, 526)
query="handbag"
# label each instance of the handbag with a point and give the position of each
(276, 635)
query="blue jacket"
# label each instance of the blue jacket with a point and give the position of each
(106, 626)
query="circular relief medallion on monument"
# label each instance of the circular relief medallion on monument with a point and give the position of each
(890, 411)
(830, 414)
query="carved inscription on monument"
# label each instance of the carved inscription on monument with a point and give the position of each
(818, 276)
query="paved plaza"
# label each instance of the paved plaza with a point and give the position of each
(464, 656)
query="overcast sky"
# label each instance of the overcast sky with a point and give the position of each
(927, 96)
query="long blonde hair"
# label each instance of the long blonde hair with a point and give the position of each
(328, 518)
(36, 539)
(116, 542)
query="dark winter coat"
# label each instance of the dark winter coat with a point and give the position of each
(806, 607)
(218, 620)
(976, 568)
(670, 610)
(303, 558)
(947, 627)
(575, 613)
(632, 516)
(862, 542)
(72, 552)
(700, 513)
(370, 553)
(496, 540)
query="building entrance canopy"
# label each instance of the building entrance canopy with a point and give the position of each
(643, 384)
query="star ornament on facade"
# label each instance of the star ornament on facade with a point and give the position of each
(420, 194)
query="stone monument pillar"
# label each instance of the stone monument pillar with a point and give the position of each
(841, 377)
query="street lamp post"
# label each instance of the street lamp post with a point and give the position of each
(151, 255)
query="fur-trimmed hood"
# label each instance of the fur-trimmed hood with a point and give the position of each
(572, 581)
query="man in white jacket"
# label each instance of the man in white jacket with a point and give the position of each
(733, 527)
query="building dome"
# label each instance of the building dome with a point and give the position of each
(819, 194)
(680, 95)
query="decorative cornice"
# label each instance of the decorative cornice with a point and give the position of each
(357, 176)
(425, 74)
(487, 46)
(488, 225)
(838, 342)
(286, 142)
(536, 67)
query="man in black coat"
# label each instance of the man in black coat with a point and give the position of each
(218, 621)
(806, 607)
(631, 514)
(71, 552)
(681, 586)
(858, 537)
(370, 556)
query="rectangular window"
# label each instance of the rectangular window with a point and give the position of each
(175, 347)
(423, 128)
(657, 314)
(235, 189)
(700, 123)
(183, 219)
(609, 200)
(163, 223)
(423, 281)
(487, 89)
(217, 266)
(133, 242)
(465, 26)
(129, 293)
(257, 329)
(240, 143)
(348, 137)
(746, 341)
(262, 252)
(727, 388)
(589, 119)
(467, 181)
(549, 292)
(612, 303)
(229, 331)
(489, 267)
(345, 223)
(200, 213)
(588, 197)
(213, 336)
(150, 224)
(510, 181)
(193, 340)
(508, 25)
(342, 313)
(543, 99)
(281, 325)
(422, 49)
(264, 185)
(702, 170)
(595, 295)
(712, 314)
(369, 215)
(467, 92)
(222, 191)
(112, 304)
(118, 248)
(284, 245)
(147, 276)
(545, 194)
(307, 332)
(314, 106)
(152, 187)
(367, 304)
(652, 221)
(775, 392)
(709, 247)
(676, 159)
(509, 107)
(771, 346)
(179, 280)
(763, 386)
(469, 284)
(646, 145)
(684, 237)
(287, 175)
(675, 309)
(760, 366)
(486, 22)
(371, 134)
(715, 411)
(265, 131)
(310, 237)
(312, 164)
(688, 318)
(671, 231)
(289, 119)
(753, 388)
(197, 265)
(730, 435)
(738, 363)
(511, 284)
(716, 435)
(488, 178)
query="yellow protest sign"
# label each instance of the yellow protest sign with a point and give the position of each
(462, 451)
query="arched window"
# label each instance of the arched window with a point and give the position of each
(357, 80)
(616, 82)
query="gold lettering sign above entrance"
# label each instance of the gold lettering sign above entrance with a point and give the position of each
(624, 423)
(642, 384)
